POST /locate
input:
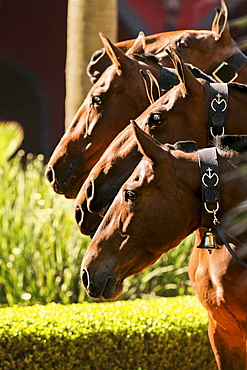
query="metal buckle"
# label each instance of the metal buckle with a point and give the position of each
(214, 73)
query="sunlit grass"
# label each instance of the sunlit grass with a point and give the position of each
(41, 247)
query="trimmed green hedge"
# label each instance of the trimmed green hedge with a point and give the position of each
(163, 333)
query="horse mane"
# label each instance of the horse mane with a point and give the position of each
(152, 58)
(197, 73)
(242, 88)
(184, 146)
(146, 58)
(226, 143)
(236, 143)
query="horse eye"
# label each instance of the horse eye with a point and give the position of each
(130, 195)
(155, 119)
(96, 100)
(182, 44)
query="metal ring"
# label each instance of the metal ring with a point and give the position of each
(222, 133)
(214, 210)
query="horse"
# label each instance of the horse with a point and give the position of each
(208, 50)
(155, 209)
(183, 113)
(112, 99)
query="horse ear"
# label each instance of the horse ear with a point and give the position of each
(115, 54)
(220, 25)
(139, 45)
(215, 21)
(185, 76)
(148, 146)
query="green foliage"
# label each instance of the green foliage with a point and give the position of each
(41, 248)
(163, 333)
(11, 134)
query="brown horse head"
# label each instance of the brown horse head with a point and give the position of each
(205, 49)
(181, 114)
(118, 96)
(156, 208)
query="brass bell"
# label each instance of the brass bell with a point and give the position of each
(208, 241)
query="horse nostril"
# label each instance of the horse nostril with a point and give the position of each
(50, 174)
(89, 190)
(90, 193)
(85, 278)
(78, 215)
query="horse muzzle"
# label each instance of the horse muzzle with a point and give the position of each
(87, 222)
(102, 286)
(67, 187)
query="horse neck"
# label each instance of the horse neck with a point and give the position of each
(237, 113)
(242, 75)
(233, 185)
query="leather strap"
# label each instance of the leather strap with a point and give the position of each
(228, 70)
(168, 79)
(218, 108)
(210, 182)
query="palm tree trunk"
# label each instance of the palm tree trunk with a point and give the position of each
(84, 22)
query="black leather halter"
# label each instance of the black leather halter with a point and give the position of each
(210, 189)
(228, 70)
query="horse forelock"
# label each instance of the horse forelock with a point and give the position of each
(146, 58)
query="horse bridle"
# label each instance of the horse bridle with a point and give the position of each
(210, 192)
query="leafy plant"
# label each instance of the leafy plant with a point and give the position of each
(41, 248)
(12, 135)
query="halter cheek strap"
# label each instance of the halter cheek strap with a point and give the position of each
(228, 70)
(218, 108)
(210, 189)
(210, 185)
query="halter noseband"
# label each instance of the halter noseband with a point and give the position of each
(210, 189)
(228, 70)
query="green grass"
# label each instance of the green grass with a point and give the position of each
(41, 247)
